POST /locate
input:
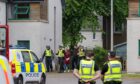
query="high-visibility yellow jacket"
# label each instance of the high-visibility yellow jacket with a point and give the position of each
(114, 72)
(86, 70)
(81, 53)
(60, 53)
(48, 53)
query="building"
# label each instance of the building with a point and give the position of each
(133, 37)
(120, 34)
(92, 39)
(35, 24)
(2, 12)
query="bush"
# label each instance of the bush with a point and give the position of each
(100, 56)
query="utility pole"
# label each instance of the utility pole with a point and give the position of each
(112, 25)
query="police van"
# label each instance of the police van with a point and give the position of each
(26, 67)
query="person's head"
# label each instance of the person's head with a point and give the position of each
(47, 47)
(67, 48)
(111, 55)
(89, 55)
(60, 47)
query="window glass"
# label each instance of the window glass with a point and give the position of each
(26, 56)
(94, 35)
(34, 57)
(22, 10)
(24, 43)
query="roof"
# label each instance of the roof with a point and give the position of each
(121, 44)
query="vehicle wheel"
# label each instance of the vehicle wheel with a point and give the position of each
(43, 80)
(20, 80)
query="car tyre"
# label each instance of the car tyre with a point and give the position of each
(20, 80)
(43, 80)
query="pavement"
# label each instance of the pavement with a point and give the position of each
(68, 78)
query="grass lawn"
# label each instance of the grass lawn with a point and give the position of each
(135, 76)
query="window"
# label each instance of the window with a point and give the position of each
(119, 29)
(94, 35)
(35, 58)
(22, 11)
(139, 9)
(24, 43)
(26, 56)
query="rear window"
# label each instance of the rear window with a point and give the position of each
(26, 56)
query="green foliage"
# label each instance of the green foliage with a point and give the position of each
(84, 14)
(100, 56)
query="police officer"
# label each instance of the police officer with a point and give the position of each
(87, 71)
(112, 70)
(48, 53)
(81, 53)
(60, 54)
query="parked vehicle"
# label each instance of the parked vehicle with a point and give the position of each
(26, 67)
(5, 72)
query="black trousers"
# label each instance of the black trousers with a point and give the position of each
(74, 61)
(49, 64)
(85, 83)
(80, 58)
(113, 82)
(61, 63)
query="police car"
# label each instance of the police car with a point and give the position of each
(5, 72)
(26, 67)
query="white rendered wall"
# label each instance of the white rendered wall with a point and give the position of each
(2, 13)
(40, 33)
(133, 36)
(89, 42)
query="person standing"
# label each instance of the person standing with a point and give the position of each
(74, 59)
(81, 53)
(67, 59)
(87, 71)
(60, 54)
(112, 70)
(48, 54)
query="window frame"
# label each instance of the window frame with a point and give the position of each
(139, 8)
(16, 12)
(33, 55)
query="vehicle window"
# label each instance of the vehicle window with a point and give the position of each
(34, 56)
(2, 77)
(26, 56)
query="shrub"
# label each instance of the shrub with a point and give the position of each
(100, 56)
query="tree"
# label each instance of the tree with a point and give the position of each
(80, 14)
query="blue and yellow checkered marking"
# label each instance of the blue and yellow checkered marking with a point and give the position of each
(23, 68)
(30, 67)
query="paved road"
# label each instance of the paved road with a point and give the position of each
(68, 78)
